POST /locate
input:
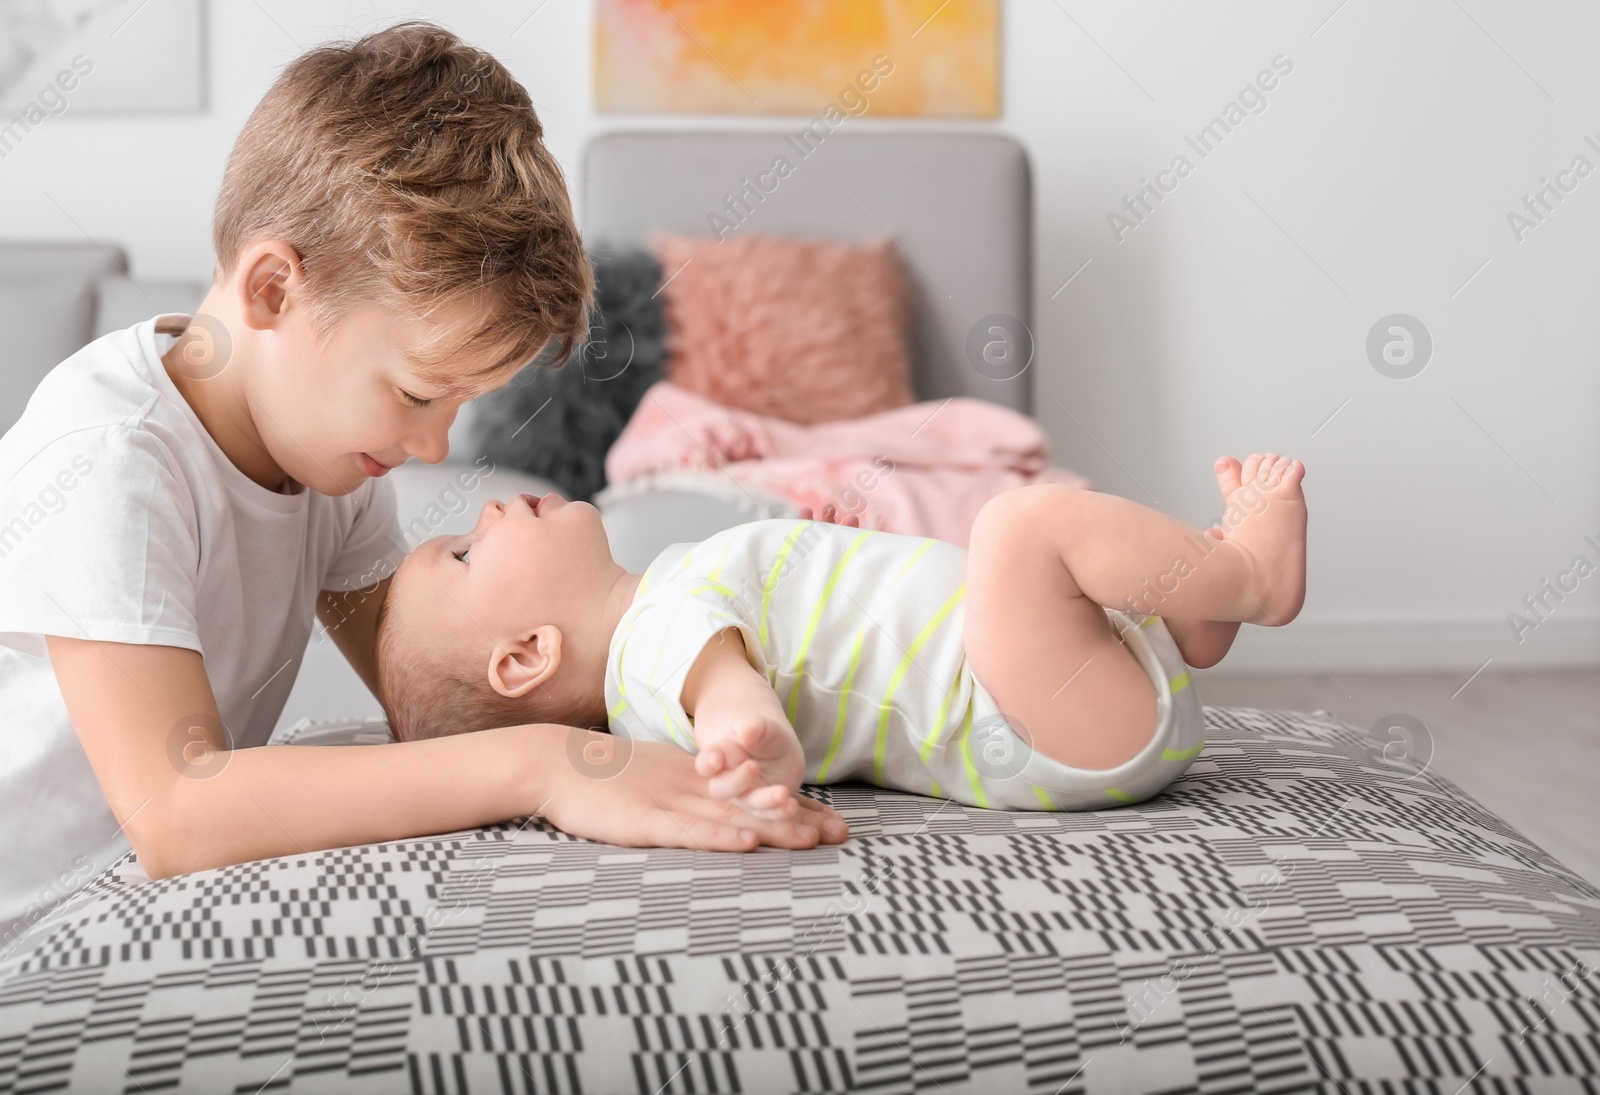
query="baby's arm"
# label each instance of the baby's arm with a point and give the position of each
(747, 747)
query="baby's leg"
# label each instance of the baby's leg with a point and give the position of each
(1042, 561)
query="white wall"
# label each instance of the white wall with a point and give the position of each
(1376, 181)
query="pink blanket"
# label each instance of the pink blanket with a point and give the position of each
(923, 469)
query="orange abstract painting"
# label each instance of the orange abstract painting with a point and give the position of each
(924, 58)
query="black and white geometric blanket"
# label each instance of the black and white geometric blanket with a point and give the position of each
(1297, 914)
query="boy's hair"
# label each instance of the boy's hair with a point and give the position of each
(408, 169)
(430, 691)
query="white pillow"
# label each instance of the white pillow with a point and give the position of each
(444, 499)
(644, 515)
(357, 731)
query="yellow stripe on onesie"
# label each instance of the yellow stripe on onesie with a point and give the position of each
(860, 634)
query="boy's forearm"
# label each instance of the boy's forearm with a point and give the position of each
(286, 799)
(350, 618)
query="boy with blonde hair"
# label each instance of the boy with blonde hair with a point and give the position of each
(392, 239)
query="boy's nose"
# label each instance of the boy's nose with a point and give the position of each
(433, 450)
(431, 446)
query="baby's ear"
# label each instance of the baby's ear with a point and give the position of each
(519, 667)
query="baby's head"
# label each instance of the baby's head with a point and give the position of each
(500, 626)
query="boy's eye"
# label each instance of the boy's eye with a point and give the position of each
(415, 401)
(461, 556)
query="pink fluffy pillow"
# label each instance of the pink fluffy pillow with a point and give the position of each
(805, 330)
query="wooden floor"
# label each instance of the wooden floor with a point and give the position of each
(1524, 744)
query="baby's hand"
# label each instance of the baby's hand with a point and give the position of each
(832, 515)
(752, 756)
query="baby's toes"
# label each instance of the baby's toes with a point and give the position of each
(1286, 479)
(1252, 465)
(1227, 474)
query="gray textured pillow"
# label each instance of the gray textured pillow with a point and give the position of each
(560, 423)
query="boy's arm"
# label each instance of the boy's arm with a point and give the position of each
(351, 617)
(148, 721)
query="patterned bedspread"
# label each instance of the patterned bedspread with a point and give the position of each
(1295, 915)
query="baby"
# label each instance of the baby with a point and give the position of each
(1045, 666)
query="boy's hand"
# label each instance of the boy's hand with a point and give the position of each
(659, 800)
(750, 753)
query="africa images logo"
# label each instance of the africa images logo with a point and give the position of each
(49, 103)
(1252, 99)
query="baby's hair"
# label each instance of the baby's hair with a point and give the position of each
(431, 691)
(408, 170)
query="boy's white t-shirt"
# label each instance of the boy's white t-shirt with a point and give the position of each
(122, 520)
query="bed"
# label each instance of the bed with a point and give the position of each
(1299, 913)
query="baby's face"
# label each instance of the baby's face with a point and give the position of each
(528, 562)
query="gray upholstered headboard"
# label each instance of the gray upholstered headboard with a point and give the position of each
(958, 205)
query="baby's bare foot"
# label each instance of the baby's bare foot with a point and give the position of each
(1264, 516)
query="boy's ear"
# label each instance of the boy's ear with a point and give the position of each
(525, 664)
(267, 270)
